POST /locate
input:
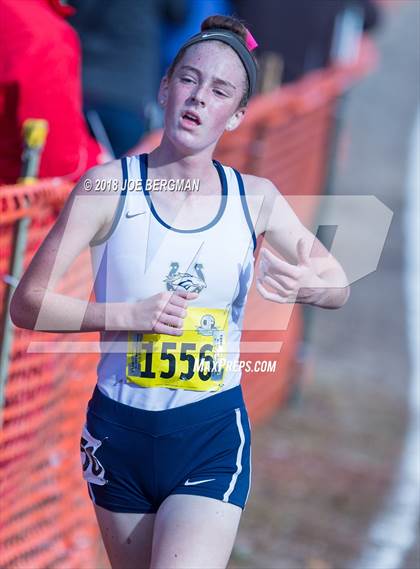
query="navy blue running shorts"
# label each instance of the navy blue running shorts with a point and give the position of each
(133, 459)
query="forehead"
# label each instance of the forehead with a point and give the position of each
(215, 58)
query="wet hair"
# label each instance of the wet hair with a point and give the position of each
(218, 22)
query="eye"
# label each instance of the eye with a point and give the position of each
(187, 80)
(221, 93)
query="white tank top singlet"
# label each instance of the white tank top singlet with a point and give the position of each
(143, 255)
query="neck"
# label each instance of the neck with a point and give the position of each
(172, 162)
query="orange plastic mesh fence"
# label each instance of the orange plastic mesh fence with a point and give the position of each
(44, 518)
(47, 520)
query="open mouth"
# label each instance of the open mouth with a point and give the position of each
(191, 118)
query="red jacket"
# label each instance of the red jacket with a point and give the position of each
(40, 78)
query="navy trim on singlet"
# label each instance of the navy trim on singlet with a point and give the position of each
(143, 160)
(125, 174)
(245, 206)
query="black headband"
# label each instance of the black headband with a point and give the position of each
(236, 44)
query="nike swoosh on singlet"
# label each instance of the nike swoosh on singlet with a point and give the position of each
(188, 483)
(128, 215)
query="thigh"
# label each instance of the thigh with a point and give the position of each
(194, 532)
(127, 538)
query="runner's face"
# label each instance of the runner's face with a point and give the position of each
(208, 82)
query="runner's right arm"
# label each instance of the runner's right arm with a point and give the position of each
(35, 304)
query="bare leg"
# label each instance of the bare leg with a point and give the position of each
(127, 538)
(194, 532)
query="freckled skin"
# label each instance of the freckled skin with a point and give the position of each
(212, 59)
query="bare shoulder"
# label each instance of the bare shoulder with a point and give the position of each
(261, 195)
(100, 187)
(256, 185)
(94, 198)
(107, 172)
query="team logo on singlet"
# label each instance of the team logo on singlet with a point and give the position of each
(191, 283)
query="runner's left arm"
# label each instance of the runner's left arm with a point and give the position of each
(307, 272)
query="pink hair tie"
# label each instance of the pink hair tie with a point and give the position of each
(250, 41)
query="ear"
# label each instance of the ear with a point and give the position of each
(236, 119)
(163, 91)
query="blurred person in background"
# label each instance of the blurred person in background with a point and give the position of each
(40, 79)
(302, 32)
(122, 52)
(196, 12)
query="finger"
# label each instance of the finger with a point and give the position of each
(277, 265)
(273, 284)
(177, 300)
(267, 294)
(185, 294)
(275, 297)
(277, 286)
(181, 298)
(302, 250)
(175, 310)
(161, 328)
(170, 320)
(286, 282)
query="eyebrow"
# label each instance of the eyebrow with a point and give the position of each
(217, 79)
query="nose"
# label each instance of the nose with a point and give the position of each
(198, 97)
(198, 100)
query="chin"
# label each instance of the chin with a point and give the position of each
(185, 142)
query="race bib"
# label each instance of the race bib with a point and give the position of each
(196, 360)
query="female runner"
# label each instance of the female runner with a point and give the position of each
(166, 446)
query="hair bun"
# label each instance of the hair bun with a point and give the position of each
(227, 23)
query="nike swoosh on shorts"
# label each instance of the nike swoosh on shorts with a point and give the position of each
(188, 483)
